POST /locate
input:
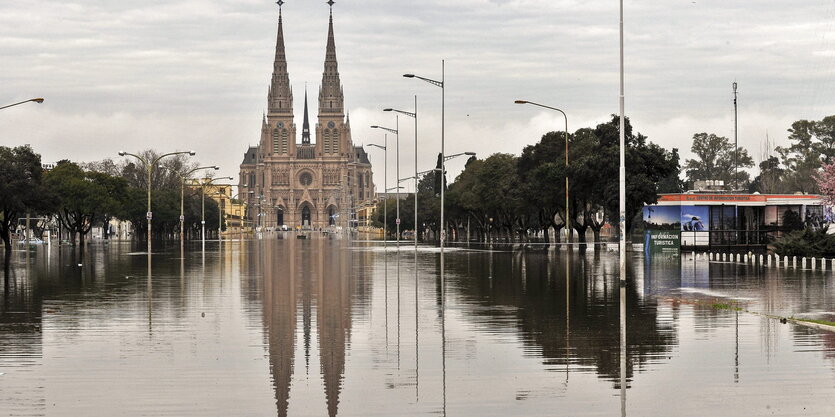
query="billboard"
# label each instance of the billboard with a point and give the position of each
(662, 242)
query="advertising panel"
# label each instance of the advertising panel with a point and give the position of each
(662, 242)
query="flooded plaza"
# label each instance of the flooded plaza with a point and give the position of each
(332, 327)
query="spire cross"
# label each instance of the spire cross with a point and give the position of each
(279, 3)
(330, 3)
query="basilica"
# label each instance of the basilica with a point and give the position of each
(308, 185)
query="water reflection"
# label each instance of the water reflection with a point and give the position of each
(309, 327)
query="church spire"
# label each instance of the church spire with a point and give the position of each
(281, 96)
(331, 99)
(306, 123)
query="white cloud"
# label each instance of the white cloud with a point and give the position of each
(194, 73)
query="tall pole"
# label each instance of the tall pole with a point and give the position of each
(622, 180)
(203, 213)
(397, 175)
(182, 212)
(385, 189)
(567, 212)
(443, 161)
(736, 144)
(148, 214)
(416, 175)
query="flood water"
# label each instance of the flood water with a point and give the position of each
(332, 327)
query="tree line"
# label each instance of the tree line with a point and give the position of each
(80, 196)
(516, 197)
(519, 197)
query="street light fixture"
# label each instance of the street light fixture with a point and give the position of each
(149, 165)
(385, 185)
(203, 185)
(414, 116)
(448, 157)
(442, 85)
(34, 100)
(567, 215)
(397, 169)
(182, 197)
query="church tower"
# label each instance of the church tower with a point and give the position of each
(290, 184)
(332, 140)
(278, 136)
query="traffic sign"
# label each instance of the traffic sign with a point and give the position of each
(149, 215)
(398, 222)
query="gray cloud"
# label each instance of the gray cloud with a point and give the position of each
(194, 73)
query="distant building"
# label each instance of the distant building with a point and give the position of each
(307, 184)
(733, 221)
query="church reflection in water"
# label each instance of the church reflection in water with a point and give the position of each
(306, 281)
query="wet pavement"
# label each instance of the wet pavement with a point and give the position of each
(331, 327)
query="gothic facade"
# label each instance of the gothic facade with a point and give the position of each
(303, 184)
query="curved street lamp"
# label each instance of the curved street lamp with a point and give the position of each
(203, 185)
(397, 171)
(182, 193)
(414, 116)
(149, 165)
(442, 85)
(567, 216)
(385, 183)
(34, 100)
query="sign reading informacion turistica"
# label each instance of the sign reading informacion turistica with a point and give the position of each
(662, 242)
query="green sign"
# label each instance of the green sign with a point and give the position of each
(662, 242)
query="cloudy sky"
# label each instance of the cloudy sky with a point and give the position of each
(193, 74)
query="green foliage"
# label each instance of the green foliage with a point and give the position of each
(716, 159)
(85, 198)
(647, 164)
(807, 242)
(21, 188)
(813, 144)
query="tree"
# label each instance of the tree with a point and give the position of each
(813, 144)
(647, 164)
(541, 170)
(84, 197)
(716, 159)
(771, 178)
(826, 183)
(21, 188)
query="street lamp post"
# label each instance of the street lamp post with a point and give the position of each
(149, 168)
(417, 179)
(442, 85)
(182, 197)
(622, 168)
(397, 173)
(414, 116)
(384, 147)
(567, 215)
(34, 100)
(203, 185)
(447, 158)
(240, 212)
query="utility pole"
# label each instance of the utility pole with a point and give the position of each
(736, 143)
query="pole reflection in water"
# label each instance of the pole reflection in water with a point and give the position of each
(567, 314)
(443, 332)
(622, 349)
(149, 289)
(417, 327)
(398, 308)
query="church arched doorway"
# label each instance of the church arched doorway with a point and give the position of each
(306, 216)
(279, 217)
(331, 216)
